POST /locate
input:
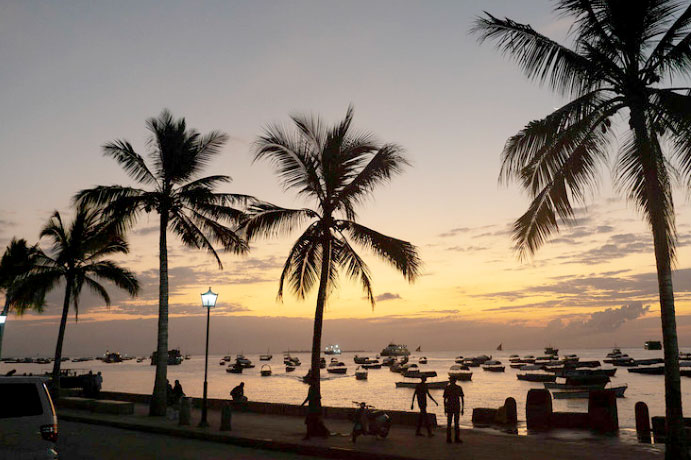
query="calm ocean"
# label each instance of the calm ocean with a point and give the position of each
(487, 389)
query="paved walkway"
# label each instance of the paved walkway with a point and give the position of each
(275, 432)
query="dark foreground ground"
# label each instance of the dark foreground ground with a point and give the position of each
(80, 441)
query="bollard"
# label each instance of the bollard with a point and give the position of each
(185, 411)
(642, 422)
(538, 409)
(602, 411)
(511, 411)
(226, 418)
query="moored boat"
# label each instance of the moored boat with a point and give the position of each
(423, 360)
(332, 350)
(493, 366)
(240, 360)
(430, 385)
(652, 345)
(174, 357)
(234, 369)
(266, 356)
(265, 371)
(650, 370)
(395, 350)
(360, 373)
(585, 394)
(336, 367)
(551, 351)
(536, 377)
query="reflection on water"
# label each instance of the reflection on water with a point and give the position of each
(487, 389)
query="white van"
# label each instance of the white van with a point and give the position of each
(28, 424)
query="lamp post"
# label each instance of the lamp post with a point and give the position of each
(208, 302)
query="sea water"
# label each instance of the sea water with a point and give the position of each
(487, 389)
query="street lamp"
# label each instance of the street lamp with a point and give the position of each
(208, 302)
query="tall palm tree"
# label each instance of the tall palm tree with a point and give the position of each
(187, 205)
(17, 261)
(336, 169)
(622, 52)
(78, 257)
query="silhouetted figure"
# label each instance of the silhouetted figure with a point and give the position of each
(99, 382)
(421, 393)
(177, 393)
(454, 404)
(313, 421)
(238, 393)
(169, 393)
(12, 372)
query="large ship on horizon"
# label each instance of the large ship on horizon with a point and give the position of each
(395, 350)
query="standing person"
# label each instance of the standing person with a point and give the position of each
(177, 392)
(99, 383)
(454, 404)
(313, 422)
(421, 393)
(169, 393)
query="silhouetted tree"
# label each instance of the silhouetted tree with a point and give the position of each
(17, 261)
(622, 52)
(187, 205)
(336, 169)
(77, 257)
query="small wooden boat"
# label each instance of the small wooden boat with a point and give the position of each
(265, 371)
(360, 373)
(372, 365)
(459, 360)
(266, 357)
(566, 386)
(460, 373)
(430, 385)
(652, 370)
(361, 359)
(290, 368)
(536, 377)
(423, 360)
(493, 366)
(388, 361)
(416, 374)
(221, 363)
(337, 368)
(244, 362)
(226, 358)
(576, 394)
(234, 369)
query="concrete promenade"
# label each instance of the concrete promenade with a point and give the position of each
(284, 433)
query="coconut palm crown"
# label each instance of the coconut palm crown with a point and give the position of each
(187, 205)
(78, 257)
(623, 57)
(336, 169)
(17, 262)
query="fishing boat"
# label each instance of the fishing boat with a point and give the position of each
(566, 386)
(419, 348)
(651, 370)
(585, 394)
(649, 362)
(112, 357)
(332, 350)
(187, 356)
(609, 372)
(290, 368)
(423, 360)
(493, 366)
(459, 360)
(372, 365)
(360, 373)
(615, 352)
(586, 364)
(265, 371)
(551, 351)
(221, 363)
(460, 373)
(393, 349)
(388, 361)
(226, 358)
(336, 368)
(139, 360)
(416, 374)
(514, 359)
(174, 357)
(430, 385)
(266, 357)
(536, 377)
(240, 360)
(652, 345)
(500, 348)
(234, 368)
(361, 359)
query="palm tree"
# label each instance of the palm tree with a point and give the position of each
(17, 261)
(336, 169)
(186, 204)
(77, 258)
(622, 52)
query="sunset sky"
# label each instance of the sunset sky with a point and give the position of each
(78, 74)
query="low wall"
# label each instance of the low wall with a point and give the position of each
(338, 413)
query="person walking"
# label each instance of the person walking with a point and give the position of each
(177, 393)
(454, 404)
(421, 393)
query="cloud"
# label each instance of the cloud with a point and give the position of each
(606, 320)
(386, 296)
(454, 232)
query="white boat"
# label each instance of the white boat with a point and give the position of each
(332, 350)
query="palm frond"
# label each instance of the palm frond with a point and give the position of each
(680, 30)
(133, 163)
(226, 236)
(356, 268)
(401, 254)
(302, 267)
(119, 276)
(98, 289)
(539, 57)
(268, 220)
(192, 236)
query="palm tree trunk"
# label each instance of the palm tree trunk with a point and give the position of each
(158, 399)
(61, 337)
(675, 447)
(5, 311)
(315, 404)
